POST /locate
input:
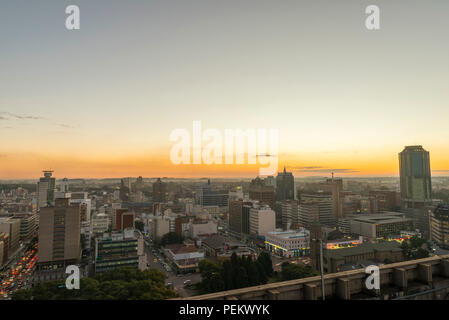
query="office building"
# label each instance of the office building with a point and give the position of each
(59, 235)
(46, 188)
(290, 214)
(439, 226)
(361, 256)
(159, 191)
(123, 219)
(206, 196)
(262, 219)
(316, 208)
(290, 243)
(28, 224)
(262, 192)
(120, 249)
(285, 186)
(415, 178)
(11, 227)
(381, 225)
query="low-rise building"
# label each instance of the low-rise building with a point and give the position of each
(290, 243)
(184, 259)
(342, 259)
(221, 247)
(380, 225)
(119, 249)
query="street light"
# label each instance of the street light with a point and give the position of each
(323, 293)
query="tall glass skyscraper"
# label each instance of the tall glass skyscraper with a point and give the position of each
(415, 179)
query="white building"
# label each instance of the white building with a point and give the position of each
(262, 219)
(201, 228)
(100, 223)
(290, 243)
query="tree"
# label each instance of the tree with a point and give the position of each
(139, 225)
(292, 271)
(118, 284)
(264, 259)
(171, 238)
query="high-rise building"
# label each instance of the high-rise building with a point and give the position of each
(123, 219)
(159, 191)
(439, 225)
(46, 189)
(59, 234)
(316, 208)
(415, 178)
(235, 215)
(260, 191)
(139, 184)
(205, 196)
(262, 220)
(290, 214)
(64, 185)
(285, 186)
(11, 227)
(336, 187)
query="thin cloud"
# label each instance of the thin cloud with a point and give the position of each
(10, 116)
(321, 169)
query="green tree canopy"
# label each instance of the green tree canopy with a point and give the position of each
(119, 284)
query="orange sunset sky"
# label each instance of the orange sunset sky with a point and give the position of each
(102, 101)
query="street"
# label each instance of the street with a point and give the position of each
(157, 261)
(18, 273)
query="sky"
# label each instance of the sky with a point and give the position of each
(102, 101)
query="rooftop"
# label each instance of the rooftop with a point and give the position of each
(363, 248)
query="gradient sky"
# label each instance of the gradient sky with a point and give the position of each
(101, 101)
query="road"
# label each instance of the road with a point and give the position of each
(18, 273)
(177, 281)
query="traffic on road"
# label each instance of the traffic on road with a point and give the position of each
(17, 276)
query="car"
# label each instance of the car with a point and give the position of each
(187, 282)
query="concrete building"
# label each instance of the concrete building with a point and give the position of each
(415, 177)
(28, 224)
(290, 243)
(159, 191)
(218, 246)
(439, 226)
(46, 188)
(290, 214)
(201, 228)
(183, 259)
(371, 253)
(262, 220)
(123, 219)
(336, 188)
(206, 196)
(120, 249)
(316, 208)
(11, 227)
(59, 235)
(100, 223)
(382, 225)
(285, 186)
(260, 191)
(4, 252)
